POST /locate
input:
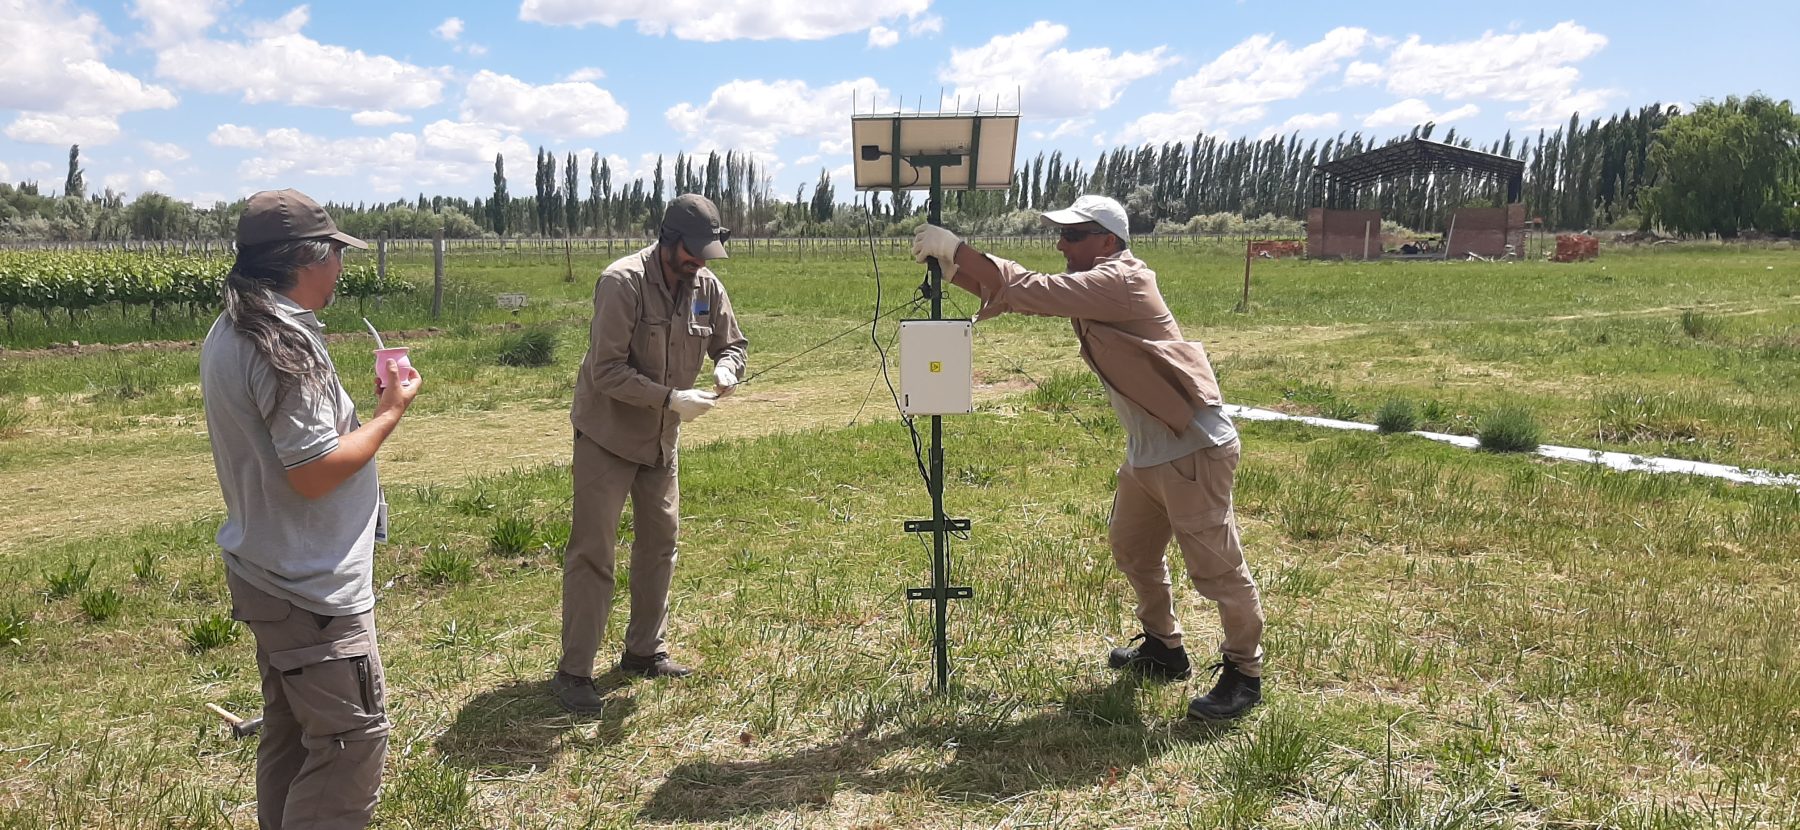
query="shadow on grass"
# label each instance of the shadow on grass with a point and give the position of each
(520, 726)
(1096, 735)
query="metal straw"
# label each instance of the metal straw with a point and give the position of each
(378, 343)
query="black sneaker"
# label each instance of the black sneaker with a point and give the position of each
(1231, 697)
(656, 665)
(1152, 658)
(577, 694)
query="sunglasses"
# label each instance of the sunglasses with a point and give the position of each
(1076, 234)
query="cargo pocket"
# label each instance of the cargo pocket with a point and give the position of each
(1209, 541)
(250, 604)
(332, 689)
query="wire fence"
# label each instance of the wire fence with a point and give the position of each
(528, 247)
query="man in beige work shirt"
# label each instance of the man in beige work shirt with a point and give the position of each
(658, 314)
(1181, 449)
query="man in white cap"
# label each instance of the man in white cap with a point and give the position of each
(659, 314)
(1181, 450)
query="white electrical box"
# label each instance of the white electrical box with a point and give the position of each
(937, 367)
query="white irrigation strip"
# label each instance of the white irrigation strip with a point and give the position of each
(1615, 460)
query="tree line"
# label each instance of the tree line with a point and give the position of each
(1725, 168)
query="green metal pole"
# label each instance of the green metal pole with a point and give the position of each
(940, 560)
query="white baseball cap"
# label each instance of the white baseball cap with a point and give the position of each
(1105, 212)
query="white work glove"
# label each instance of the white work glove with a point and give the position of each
(725, 381)
(934, 241)
(691, 403)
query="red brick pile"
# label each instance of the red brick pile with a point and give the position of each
(1575, 247)
(1276, 249)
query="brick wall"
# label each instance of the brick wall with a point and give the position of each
(1340, 234)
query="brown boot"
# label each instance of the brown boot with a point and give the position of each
(656, 665)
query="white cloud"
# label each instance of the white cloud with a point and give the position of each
(755, 116)
(1538, 67)
(1069, 128)
(138, 182)
(564, 110)
(379, 118)
(52, 73)
(1236, 86)
(715, 20)
(1258, 72)
(624, 170)
(1412, 112)
(172, 21)
(1304, 122)
(929, 24)
(232, 135)
(881, 37)
(288, 24)
(5, 173)
(444, 153)
(280, 65)
(1362, 73)
(472, 49)
(1556, 110)
(52, 128)
(450, 29)
(1053, 82)
(165, 152)
(586, 73)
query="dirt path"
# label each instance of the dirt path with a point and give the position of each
(95, 496)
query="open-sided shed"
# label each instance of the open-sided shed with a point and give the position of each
(1334, 231)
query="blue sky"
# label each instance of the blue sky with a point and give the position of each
(215, 99)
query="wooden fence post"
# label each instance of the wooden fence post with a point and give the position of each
(437, 275)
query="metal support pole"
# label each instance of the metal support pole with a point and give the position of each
(940, 554)
(941, 526)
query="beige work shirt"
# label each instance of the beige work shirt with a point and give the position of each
(646, 341)
(1128, 337)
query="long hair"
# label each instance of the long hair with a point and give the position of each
(260, 272)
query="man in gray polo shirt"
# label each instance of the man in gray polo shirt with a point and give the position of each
(303, 511)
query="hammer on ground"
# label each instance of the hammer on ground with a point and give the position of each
(239, 726)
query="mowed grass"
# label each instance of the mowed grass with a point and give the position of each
(1455, 639)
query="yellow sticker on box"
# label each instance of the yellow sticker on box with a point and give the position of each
(937, 366)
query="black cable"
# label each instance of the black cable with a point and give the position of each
(917, 443)
(833, 339)
(874, 379)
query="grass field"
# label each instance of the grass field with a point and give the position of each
(1455, 639)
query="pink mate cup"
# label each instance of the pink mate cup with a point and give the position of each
(382, 356)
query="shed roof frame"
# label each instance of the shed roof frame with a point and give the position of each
(1420, 154)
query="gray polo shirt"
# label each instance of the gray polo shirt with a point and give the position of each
(316, 553)
(1149, 442)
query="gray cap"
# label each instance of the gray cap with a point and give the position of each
(286, 216)
(1100, 210)
(694, 218)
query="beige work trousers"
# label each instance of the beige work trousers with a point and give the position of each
(602, 481)
(325, 727)
(1188, 499)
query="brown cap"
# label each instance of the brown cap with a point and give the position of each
(693, 218)
(286, 216)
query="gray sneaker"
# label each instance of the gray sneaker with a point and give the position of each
(577, 694)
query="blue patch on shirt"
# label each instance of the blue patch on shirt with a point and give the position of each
(701, 306)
